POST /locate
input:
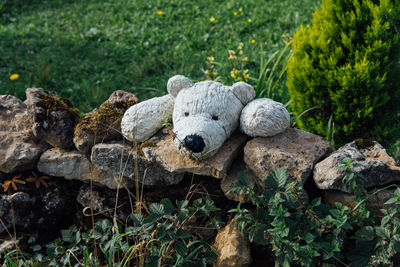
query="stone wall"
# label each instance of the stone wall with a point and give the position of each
(45, 146)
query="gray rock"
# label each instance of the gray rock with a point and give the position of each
(377, 167)
(164, 153)
(119, 159)
(22, 214)
(374, 204)
(8, 245)
(73, 165)
(104, 202)
(232, 247)
(103, 124)
(295, 150)
(19, 150)
(16, 154)
(53, 117)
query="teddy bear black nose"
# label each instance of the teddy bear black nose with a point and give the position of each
(194, 143)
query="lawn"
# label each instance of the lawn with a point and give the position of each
(86, 49)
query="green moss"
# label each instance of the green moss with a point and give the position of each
(148, 143)
(56, 103)
(102, 118)
(364, 143)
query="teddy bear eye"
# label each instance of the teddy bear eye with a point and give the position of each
(215, 118)
(186, 114)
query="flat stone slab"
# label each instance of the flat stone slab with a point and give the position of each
(377, 167)
(164, 152)
(294, 149)
(119, 159)
(73, 165)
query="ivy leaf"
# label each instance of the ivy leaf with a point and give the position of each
(309, 238)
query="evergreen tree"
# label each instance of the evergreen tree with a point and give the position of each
(347, 66)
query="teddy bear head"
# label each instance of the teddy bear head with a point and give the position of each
(205, 113)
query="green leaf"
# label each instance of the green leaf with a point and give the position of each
(210, 257)
(281, 176)
(183, 214)
(270, 182)
(180, 248)
(391, 201)
(168, 206)
(180, 233)
(153, 261)
(361, 255)
(316, 202)
(309, 238)
(182, 204)
(68, 236)
(157, 209)
(385, 220)
(365, 234)
(137, 219)
(382, 232)
(36, 248)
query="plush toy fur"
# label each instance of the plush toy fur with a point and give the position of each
(205, 114)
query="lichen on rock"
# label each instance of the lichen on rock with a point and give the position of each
(53, 117)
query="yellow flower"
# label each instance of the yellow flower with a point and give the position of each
(160, 12)
(234, 73)
(212, 19)
(240, 9)
(235, 13)
(215, 73)
(246, 75)
(14, 77)
(253, 41)
(249, 20)
(240, 47)
(245, 59)
(207, 72)
(210, 59)
(231, 52)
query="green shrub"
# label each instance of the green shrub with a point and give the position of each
(346, 66)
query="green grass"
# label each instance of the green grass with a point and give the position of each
(86, 49)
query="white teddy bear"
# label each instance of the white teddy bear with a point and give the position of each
(204, 115)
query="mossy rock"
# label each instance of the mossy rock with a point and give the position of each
(53, 117)
(104, 123)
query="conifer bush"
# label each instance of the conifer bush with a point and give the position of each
(345, 69)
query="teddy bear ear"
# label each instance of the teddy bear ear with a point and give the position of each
(177, 83)
(244, 91)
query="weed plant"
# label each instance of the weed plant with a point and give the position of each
(311, 233)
